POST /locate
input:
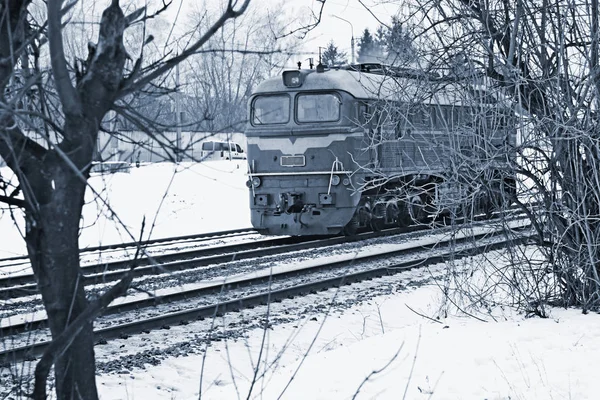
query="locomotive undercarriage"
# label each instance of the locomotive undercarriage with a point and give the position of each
(309, 220)
(421, 199)
(302, 209)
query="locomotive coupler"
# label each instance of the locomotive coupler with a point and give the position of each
(296, 203)
(291, 203)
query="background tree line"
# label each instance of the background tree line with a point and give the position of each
(390, 44)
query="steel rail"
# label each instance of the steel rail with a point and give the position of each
(34, 350)
(183, 238)
(149, 242)
(23, 285)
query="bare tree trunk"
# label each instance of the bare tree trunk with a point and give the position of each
(53, 177)
(52, 243)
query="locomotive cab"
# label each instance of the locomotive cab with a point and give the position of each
(301, 139)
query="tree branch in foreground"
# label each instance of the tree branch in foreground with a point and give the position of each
(12, 201)
(63, 341)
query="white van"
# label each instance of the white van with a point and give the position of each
(109, 167)
(217, 150)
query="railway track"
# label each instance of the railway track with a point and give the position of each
(386, 260)
(198, 237)
(103, 273)
(23, 284)
(17, 270)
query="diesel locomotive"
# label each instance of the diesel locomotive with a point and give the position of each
(370, 146)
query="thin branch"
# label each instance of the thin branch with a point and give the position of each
(412, 367)
(230, 13)
(377, 371)
(423, 315)
(11, 201)
(373, 15)
(69, 97)
(306, 28)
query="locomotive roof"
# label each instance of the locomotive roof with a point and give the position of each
(410, 88)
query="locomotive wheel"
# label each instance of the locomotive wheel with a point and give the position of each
(404, 218)
(495, 201)
(488, 207)
(415, 209)
(465, 211)
(392, 213)
(508, 190)
(377, 224)
(352, 226)
(378, 217)
(461, 212)
(499, 197)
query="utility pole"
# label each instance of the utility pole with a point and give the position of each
(178, 115)
(351, 40)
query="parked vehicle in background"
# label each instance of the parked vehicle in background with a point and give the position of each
(221, 150)
(110, 167)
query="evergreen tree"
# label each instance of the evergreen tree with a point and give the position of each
(369, 50)
(388, 46)
(398, 44)
(332, 56)
(382, 36)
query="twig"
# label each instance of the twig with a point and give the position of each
(423, 315)
(380, 319)
(412, 367)
(377, 371)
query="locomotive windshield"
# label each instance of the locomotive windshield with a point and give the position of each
(274, 109)
(323, 107)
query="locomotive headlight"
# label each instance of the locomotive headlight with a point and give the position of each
(335, 180)
(254, 182)
(346, 181)
(292, 78)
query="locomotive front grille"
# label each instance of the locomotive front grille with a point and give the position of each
(293, 161)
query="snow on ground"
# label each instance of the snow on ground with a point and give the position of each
(199, 198)
(378, 349)
(459, 358)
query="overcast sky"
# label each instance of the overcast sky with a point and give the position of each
(340, 31)
(330, 28)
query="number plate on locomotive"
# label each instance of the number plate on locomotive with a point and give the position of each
(293, 161)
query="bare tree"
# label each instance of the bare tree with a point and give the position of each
(53, 171)
(544, 56)
(222, 77)
(55, 101)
